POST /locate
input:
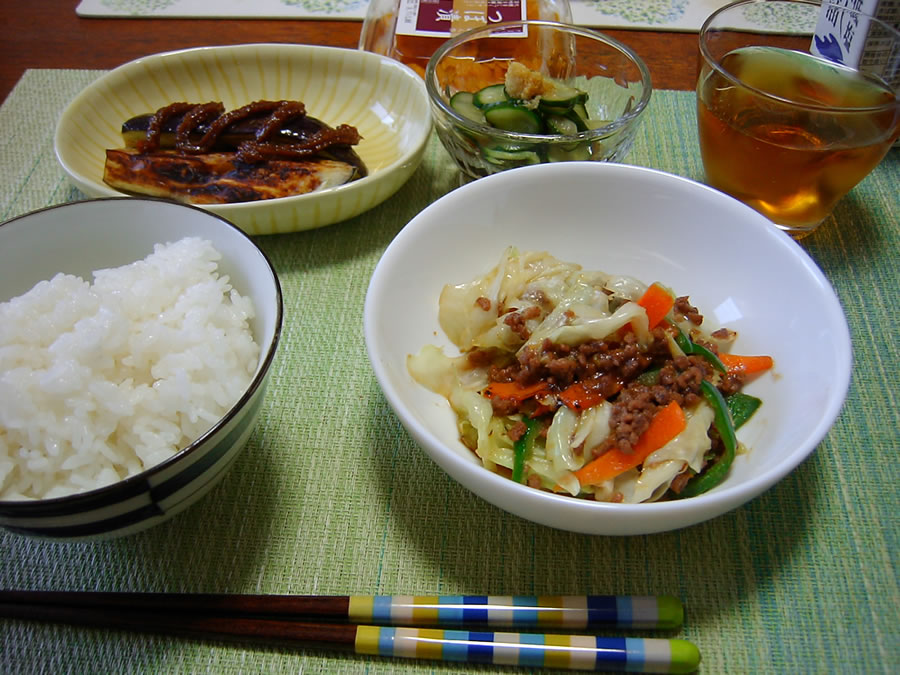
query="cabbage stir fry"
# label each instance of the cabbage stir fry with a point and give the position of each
(588, 384)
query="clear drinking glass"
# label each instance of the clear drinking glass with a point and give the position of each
(796, 103)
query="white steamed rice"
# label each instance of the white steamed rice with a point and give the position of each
(101, 381)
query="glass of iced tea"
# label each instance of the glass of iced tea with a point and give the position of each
(796, 103)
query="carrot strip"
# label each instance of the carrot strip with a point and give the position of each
(515, 391)
(657, 302)
(665, 425)
(748, 365)
(578, 397)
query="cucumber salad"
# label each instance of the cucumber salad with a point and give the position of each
(529, 103)
(588, 384)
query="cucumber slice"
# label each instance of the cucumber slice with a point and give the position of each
(579, 115)
(569, 152)
(562, 97)
(547, 110)
(575, 117)
(495, 93)
(501, 155)
(515, 118)
(558, 124)
(462, 103)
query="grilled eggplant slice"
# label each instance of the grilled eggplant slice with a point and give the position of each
(297, 130)
(219, 178)
(200, 154)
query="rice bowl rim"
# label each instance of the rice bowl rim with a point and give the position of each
(255, 384)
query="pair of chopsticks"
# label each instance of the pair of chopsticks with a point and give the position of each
(450, 628)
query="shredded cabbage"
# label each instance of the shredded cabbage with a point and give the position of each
(559, 440)
(568, 306)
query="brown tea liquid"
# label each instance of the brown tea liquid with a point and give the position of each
(790, 162)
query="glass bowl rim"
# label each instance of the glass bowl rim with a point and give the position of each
(599, 133)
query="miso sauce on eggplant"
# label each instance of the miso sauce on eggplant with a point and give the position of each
(242, 152)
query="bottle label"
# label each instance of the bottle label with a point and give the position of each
(443, 18)
(844, 35)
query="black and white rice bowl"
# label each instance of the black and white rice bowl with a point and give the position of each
(81, 237)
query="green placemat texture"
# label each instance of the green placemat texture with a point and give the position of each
(331, 495)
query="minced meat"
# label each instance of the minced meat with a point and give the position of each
(561, 365)
(516, 320)
(608, 367)
(637, 404)
(684, 308)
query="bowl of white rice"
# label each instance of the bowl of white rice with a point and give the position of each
(136, 337)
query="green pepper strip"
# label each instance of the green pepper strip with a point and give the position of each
(710, 356)
(688, 346)
(522, 448)
(742, 406)
(649, 377)
(715, 474)
(681, 339)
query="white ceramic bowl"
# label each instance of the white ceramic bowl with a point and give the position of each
(738, 269)
(81, 237)
(382, 98)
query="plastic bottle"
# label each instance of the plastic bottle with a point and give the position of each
(411, 30)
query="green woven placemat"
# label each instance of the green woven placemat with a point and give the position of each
(332, 496)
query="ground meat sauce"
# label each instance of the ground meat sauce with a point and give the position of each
(561, 365)
(685, 309)
(484, 303)
(637, 403)
(507, 406)
(516, 431)
(610, 368)
(682, 479)
(723, 334)
(516, 320)
(480, 358)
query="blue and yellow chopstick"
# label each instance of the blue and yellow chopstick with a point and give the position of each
(566, 612)
(578, 652)
(344, 623)
(570, 612)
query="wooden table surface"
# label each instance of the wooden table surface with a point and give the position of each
(48, 34)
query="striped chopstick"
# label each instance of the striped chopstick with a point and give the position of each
(583, 652)
(565, 612)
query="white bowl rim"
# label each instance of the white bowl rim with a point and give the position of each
(371, 177)
(254, 385)
(463, 469)
(591, 134)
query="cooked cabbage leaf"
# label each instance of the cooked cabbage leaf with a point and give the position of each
(562, 303)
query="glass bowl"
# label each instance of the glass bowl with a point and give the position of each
(612, 82)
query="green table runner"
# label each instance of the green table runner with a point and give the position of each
(331, 496)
